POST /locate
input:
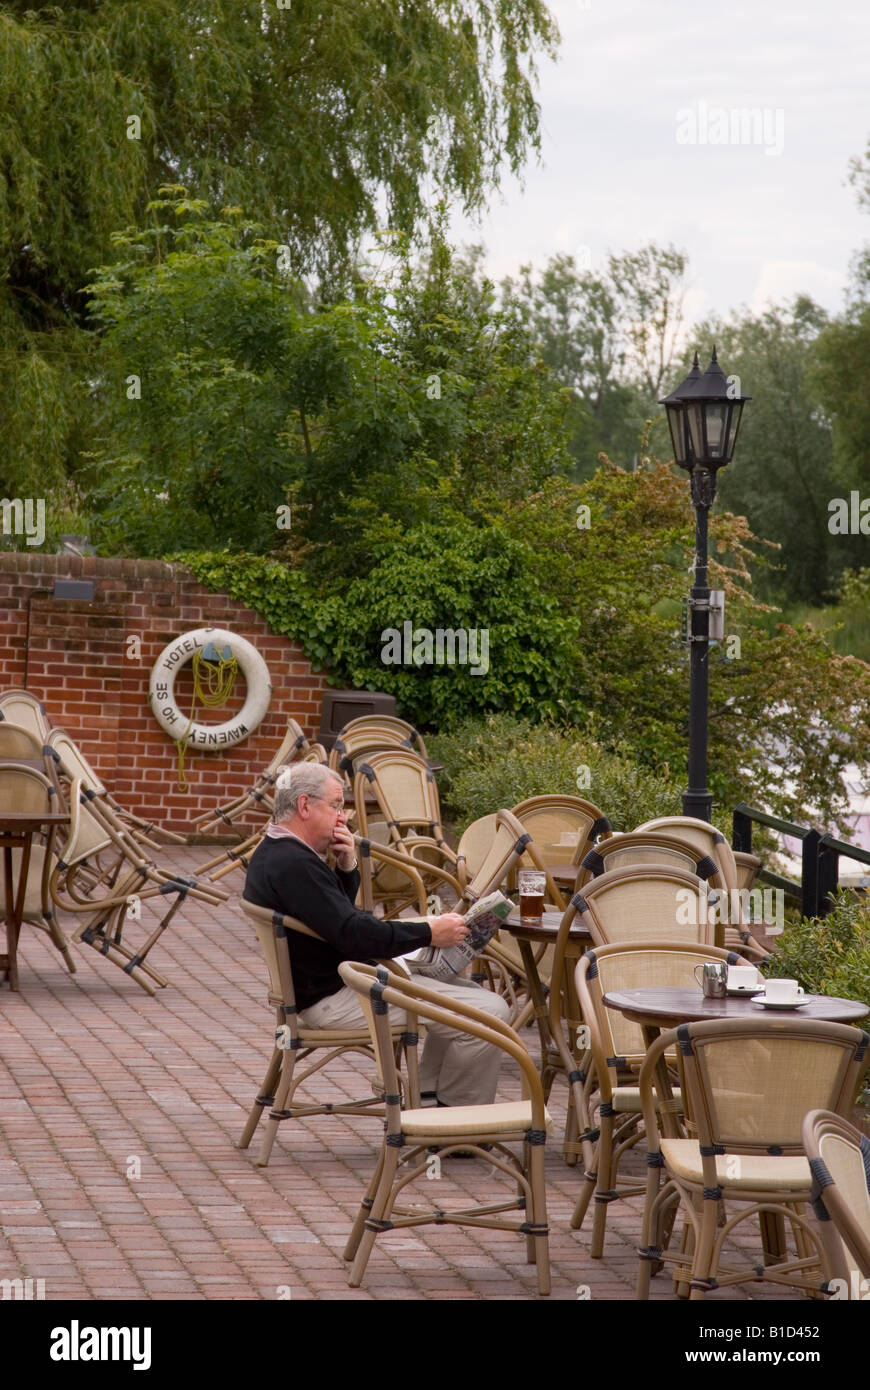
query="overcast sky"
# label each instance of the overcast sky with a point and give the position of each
(637, 82)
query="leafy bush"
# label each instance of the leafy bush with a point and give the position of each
(501, 760)
(433, 577)
(828, 955)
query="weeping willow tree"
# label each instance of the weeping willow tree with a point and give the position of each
(321, 119)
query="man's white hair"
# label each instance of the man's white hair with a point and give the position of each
(301, 779)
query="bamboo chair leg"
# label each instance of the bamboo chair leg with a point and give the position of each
(702, 1263)
(527, 1169)
(648, 1226)
(282, 1100)
(539, 1217)
(60, 941)
(578, 1215)
(379, 1207)
(603, 1186)
(687, 1249)
(365, 1208)
(266, 1097)
(572, 1130)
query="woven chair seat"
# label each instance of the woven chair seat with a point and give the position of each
(441, 1122)
(788, 1174)
(626, 1100)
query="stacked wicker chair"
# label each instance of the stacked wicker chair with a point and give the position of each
(258, 797)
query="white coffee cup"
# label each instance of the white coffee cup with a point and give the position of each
(743, 977)
(782, 991)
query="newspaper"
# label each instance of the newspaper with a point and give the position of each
(484, 920)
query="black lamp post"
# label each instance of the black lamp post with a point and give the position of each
(704, 417)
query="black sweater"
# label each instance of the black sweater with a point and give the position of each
(289, 877)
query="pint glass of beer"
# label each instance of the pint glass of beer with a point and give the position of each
(532, 884)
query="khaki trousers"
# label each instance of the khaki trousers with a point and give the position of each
(459, 1068)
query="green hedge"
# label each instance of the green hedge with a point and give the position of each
(500, 760)
(828, 955)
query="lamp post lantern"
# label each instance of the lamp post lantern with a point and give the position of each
(704, 416)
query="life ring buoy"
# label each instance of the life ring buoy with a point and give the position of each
(161, 689)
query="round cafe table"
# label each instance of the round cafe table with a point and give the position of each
(659, 1007)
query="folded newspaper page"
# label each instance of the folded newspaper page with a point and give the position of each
(484, 919)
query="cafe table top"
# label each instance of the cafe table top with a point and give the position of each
(14, 821)
(666, 1006)
(544, 931)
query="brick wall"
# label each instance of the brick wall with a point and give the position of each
(77, 663)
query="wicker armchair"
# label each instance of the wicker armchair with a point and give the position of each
(618, 1049)
(410, 1133)
(372, 733)
(748, 1084)
(648, 847)
(294, 1043)
(552, 819)
(839, 1159)
(25, 788)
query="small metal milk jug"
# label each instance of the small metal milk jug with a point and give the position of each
(713, 979)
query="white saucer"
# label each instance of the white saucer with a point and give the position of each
(769, 1004)
(744, 989)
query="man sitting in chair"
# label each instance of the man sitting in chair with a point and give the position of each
(288, 873)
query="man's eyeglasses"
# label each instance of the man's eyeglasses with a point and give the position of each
(333, 805)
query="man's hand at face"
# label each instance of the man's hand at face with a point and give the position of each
(343, 848)
(448, 930)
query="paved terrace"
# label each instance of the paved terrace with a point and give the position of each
(119, 1172)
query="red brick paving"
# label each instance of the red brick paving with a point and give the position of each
(95, 1075)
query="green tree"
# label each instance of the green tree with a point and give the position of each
(786, 714)
(610, 337)
(249, 397)
(782, 475)
(313, 117)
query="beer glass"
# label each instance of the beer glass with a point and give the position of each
(532, 884)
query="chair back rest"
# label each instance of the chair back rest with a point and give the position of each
(21, 708)
(635, 965)
(475, 844)
(839, 1156)
(646, 902)
(273, 930)
(315, 753)
(27, 790)
(705, 836)
(291, 746)
(511, 847)
(379, 731)
(549, 818)
(73, 761)
(746, 867)
(752, 1081)
(404, 789)
(87, 836)
(17, 742)
(647, 847)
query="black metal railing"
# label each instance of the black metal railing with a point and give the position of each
(820, 858)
